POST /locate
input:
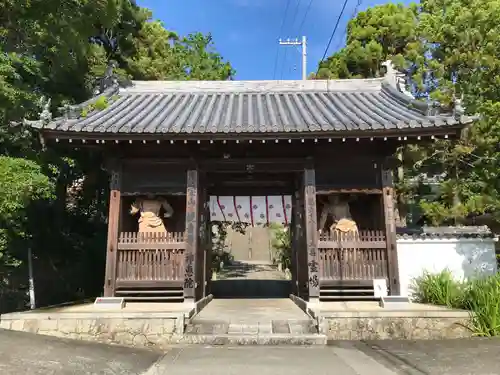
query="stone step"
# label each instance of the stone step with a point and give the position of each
(275, 327)
(269, 339)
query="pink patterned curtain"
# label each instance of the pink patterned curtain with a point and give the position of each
(253, 210)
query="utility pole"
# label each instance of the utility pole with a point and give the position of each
(302, 43)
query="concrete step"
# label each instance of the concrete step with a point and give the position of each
(274, 327)
(269, 339)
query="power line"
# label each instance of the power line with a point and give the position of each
(286, 50)
(356, 8)
(305, 16)
(281, 32)
(333, 33)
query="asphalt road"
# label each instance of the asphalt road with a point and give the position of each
(24, 353)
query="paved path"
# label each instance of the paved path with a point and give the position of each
(253, 270)
(252, 310)
(25, 353)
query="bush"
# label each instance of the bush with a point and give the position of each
(439, 289)
(481, 296)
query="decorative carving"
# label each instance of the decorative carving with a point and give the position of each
(149, 210)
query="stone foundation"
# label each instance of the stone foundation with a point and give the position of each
(402, 327)
(107, 328)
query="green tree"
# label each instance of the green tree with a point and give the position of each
(449, 50)
(57, 50)
(163, 55)
(373, 36)
(459, 60)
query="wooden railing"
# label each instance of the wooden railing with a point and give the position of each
(349, 256)
(150, 258)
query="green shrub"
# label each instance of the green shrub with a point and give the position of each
(439, 289)
(482, 298)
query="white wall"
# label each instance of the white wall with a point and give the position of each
(464, 258)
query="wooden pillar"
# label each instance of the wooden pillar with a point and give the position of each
(200, 279)
(113, 225)
(294, 222)
(390, 230)
(192, 228)
(311, 233)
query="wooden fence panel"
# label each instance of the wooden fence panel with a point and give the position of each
(353, 256)
(150, 256)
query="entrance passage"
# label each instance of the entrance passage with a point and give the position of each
(251, 211)
(252, 317)
(252, 271)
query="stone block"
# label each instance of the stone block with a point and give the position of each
(265, 328)
(123, 338)
(67, 326)
(169, 326)
(17, 325)
(136, 325)
(118, 324)
(140, 340)
(296, 329)
(48, 325)
(154, 326)
(5, 324)
(249, 329)
(235, 329)
(31, 325)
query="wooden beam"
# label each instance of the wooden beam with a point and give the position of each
(390, 228)
(113, 225)
(311, 233)
(192, 229)
(328, 191)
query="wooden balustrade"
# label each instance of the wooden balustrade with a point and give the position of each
(350, 256)
(150, 259)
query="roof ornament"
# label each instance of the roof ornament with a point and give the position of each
(458, 108)
(396, 79)
(46, 115)
(109, 79)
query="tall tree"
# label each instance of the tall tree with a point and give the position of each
(373, 36)
(56, 50)
(460, 60)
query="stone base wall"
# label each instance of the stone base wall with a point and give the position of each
(382, 328)
(141, 332)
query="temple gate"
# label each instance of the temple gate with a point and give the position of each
(169, 146)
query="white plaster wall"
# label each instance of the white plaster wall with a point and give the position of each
(464, 258)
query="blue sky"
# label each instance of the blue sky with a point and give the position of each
(246, 32)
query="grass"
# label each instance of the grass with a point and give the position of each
(481, 296)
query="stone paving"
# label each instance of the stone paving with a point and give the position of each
(252, 317)
(252, 310)
(256, 270)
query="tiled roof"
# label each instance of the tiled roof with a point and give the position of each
(277, 107)
(429, 233)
